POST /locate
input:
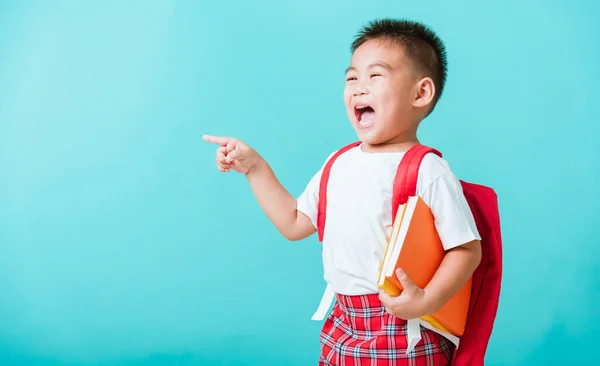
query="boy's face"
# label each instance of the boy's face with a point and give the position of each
(380, 92)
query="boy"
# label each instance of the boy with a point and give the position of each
(396, 76)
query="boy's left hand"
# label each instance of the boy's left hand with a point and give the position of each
(410, 304)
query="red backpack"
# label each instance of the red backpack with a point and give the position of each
(486, 278)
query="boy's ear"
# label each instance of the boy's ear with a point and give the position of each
(425, 92)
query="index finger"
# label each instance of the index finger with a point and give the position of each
(219, 140)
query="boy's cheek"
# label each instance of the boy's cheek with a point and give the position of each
(347, 98)
(349, 110)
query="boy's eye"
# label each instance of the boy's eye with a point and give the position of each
(373, 75)
(350, 78)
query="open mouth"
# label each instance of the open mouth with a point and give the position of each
(364, 115)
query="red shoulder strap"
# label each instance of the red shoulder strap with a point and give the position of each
(321, 215)
(405, 183)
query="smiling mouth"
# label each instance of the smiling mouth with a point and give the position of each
(364, 115)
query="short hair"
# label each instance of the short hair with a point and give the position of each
(421, 45)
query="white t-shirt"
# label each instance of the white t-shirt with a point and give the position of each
(359, 214)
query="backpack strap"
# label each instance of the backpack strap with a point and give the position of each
(405, 183)
(329, 294)
(321, 215)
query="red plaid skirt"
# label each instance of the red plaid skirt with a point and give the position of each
(359, 331)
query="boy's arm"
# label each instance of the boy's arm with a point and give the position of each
(274, 199)
(278, 204)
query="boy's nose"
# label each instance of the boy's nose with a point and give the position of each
(360, 90)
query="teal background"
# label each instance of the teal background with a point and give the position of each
(121, 244)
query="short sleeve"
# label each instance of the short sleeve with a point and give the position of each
(453, 217)
(308, 201)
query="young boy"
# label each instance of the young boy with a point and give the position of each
(396, 76)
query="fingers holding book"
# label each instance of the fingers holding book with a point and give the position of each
(411, 303)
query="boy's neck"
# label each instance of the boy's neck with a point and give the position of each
(400, 143)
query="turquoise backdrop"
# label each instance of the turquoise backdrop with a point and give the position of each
(121, 244)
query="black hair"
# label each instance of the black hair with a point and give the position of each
(421, 45)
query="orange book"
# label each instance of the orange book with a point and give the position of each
(415, 246)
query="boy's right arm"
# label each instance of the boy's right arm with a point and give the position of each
(277, 203)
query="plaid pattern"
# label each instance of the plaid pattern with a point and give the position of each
(359, 331)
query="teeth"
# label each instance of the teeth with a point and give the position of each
(361, 107)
